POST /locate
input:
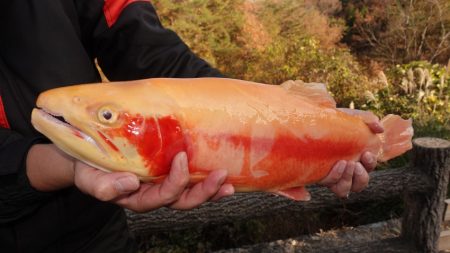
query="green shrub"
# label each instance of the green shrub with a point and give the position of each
(210, 27)
(399, 31)
(303, 58)
(303, 45)
(418, 90)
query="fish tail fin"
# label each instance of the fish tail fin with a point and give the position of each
(396, 138)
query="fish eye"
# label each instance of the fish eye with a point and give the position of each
(107, 115)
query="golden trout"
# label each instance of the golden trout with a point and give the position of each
(274, 138)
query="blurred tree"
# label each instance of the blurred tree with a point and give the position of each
(305, 45)
(307, 18)
(212, 28)
(327, 7)
(399, 31)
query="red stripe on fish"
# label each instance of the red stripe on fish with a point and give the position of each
(289, 160)
(108, 141)
(157, 140)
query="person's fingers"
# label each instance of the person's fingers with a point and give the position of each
(152, 196)
(124, 188)
(360, 178)
(371, 120)
(369, 161)
(177, 180)
(102, 185)
(335, 174)
(343, 186)
(224, 191)
(201, 192)
(375, 126)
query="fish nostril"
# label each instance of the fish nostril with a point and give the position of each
(76, 100)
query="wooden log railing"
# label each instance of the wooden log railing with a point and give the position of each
(422, 185)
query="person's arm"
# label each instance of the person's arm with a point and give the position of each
(17, 197)
(48, 168)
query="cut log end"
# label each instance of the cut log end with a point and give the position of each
(430, 142)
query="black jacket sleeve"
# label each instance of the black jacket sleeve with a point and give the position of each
(17, 197)
(137, 46)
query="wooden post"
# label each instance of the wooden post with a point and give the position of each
(424, 210)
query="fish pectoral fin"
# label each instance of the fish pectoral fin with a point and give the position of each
(154, 180)
(193, 178)
(295, 193)
(316, 92)
(197, 176)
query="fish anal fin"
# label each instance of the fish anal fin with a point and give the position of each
(316, 92)
(296, 193)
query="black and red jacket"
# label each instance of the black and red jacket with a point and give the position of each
(50, 43)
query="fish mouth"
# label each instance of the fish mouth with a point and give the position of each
(61, 132)
(61, 121)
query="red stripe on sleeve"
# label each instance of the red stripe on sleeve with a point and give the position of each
(3, 120)
(113, 8)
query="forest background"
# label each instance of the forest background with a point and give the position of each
(381, 55)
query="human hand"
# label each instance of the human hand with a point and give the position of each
(350, 176)
(124, 188)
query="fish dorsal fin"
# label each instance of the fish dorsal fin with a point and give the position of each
(316, 92)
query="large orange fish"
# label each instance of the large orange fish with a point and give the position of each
(269, 138)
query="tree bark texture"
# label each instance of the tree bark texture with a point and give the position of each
(424, 210)
(372, 238)
(384, 185)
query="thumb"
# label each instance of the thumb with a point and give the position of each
(103, 185)
(367, 117)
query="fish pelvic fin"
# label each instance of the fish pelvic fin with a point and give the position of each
(316, 92)
(296, 193)
(396, 138)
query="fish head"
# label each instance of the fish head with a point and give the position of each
(114, 127)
